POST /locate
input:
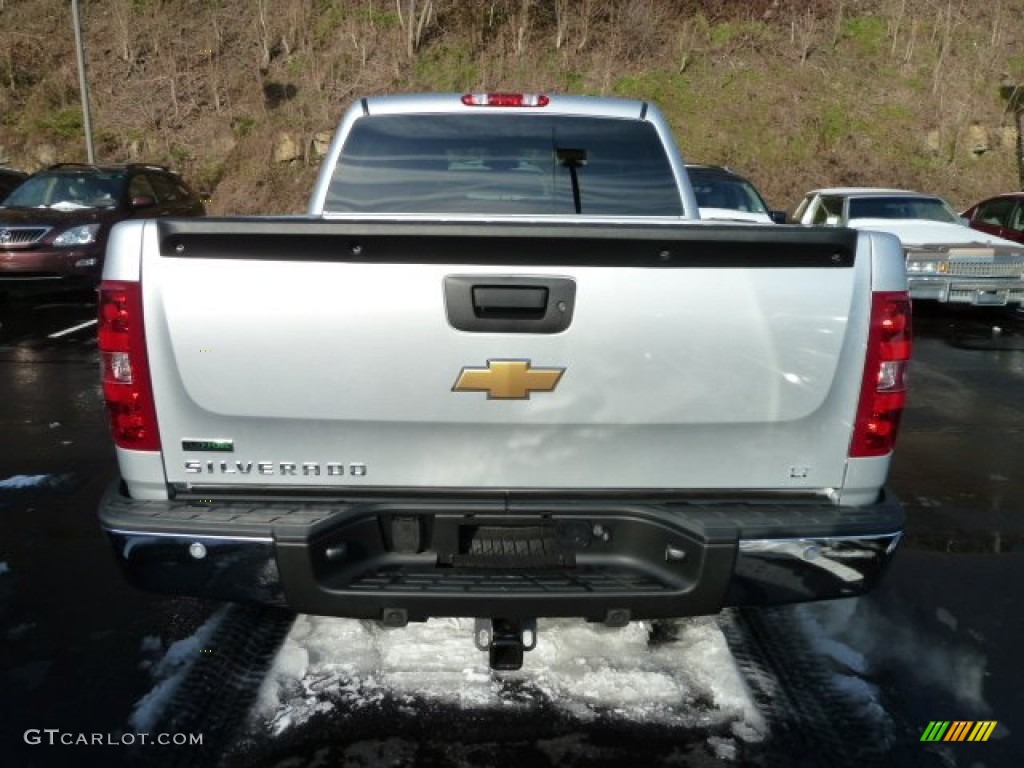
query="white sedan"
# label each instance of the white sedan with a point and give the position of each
(946, 260)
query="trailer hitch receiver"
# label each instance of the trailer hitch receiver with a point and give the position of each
(505, 641)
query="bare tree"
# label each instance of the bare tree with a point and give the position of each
(947, 26)
(804, 34)
(585, 13)
(261, 7)
(214, 50)
(561, 22)
(128, 51)
(522, 26)
(414, 24)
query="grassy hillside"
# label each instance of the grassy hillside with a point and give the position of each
(797, 93)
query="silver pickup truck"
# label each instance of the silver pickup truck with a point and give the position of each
(503, 371)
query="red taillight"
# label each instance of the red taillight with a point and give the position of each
(883, 391)
(125, 368)
(505, 100)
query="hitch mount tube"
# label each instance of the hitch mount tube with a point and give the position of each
(505, 641)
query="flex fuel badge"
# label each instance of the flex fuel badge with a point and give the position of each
(223, 446)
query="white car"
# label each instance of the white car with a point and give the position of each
(946, 260)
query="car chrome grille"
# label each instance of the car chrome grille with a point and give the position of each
(21, 235)
(995, 298)
(985, 269)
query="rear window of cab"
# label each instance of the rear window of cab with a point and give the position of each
(503, 164)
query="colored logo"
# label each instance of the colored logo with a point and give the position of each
(958, 730)
(508, 379)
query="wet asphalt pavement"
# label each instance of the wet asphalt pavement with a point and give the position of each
(70, 628)
(942, 633)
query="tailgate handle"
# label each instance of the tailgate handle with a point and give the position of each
(516, 301)
(509, 303)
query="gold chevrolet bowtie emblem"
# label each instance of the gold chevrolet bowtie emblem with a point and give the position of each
(508, 379)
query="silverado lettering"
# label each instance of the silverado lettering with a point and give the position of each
(579, 398)
(312, 468)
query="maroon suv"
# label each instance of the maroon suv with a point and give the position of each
(54, 226)
(1002, 215)
(9, 179)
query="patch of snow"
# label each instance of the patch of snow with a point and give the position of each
(822, 624)
(701, 650)
(724, 749)
(152, 649)
(25, 481)
(841, 653)
(745, 732)
(169, 672)
(34, 481)
(946, 618)
(586, 670)
(862, 694)
(865, 632)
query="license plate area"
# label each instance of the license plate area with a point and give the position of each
(510, 546)
(990, 298)
(411, 563)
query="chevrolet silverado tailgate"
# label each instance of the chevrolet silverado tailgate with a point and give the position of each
(306, 354)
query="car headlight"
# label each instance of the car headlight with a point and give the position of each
(83, 235)
(926, 267)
